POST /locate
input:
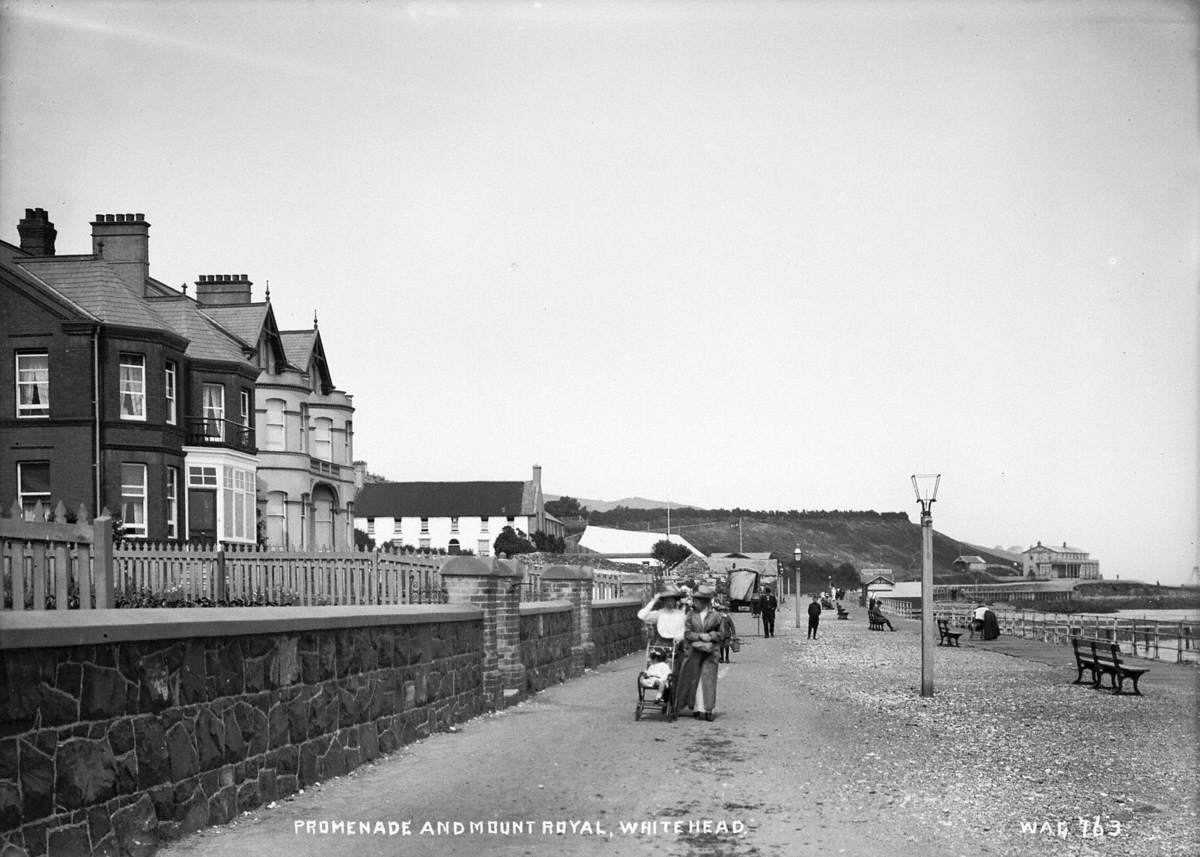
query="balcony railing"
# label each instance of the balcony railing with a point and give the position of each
(206, 431)
(321, 467)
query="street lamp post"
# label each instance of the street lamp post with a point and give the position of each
(796, 555)
(926, 486)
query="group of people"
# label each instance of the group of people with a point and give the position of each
(700, 635)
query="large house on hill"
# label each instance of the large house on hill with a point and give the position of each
(453, 516)
(1046, 563)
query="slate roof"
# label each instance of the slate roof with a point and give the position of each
(1055, 549)
(95, 286)
(298, 346)
(245, 321)
(207, 341)
(444, 499)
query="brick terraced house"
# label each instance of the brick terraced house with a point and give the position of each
(118, 391)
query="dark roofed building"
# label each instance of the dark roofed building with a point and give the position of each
(453, 516)
(120, 391)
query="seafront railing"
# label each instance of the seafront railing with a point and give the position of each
(1177, 641)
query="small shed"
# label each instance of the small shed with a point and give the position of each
(875, 582)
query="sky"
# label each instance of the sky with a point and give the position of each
(765, 255)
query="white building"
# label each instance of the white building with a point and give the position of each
(1047, 563)
(453, 516)
(633, 545)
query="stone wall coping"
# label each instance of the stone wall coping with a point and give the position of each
(28, 629)
(532, 608)
(607, 603)
(470, 566)
(568, 572)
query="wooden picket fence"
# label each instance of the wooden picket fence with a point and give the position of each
(49, 561)
(248, 574)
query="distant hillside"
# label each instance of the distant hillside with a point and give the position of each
(627, 502)
(863, 539)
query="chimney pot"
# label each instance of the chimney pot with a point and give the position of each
(37, 233)
(140, 216)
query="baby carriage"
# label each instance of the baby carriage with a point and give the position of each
(654, 684)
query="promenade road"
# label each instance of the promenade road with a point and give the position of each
(818, 748)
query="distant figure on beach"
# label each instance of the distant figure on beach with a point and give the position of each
(991, 628)
(977, 619)
(768, 604)
(814, 618)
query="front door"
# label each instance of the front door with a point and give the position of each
(202, 515)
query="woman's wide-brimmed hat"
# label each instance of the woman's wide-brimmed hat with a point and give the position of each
(704, 592)
(671, 591)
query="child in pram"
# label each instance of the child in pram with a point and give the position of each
(654, 682)
(657, 674)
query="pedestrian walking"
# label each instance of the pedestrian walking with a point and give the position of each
(814, 618)
(768, 604)
(703, 637)
(728, 631)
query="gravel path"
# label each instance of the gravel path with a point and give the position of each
(821, 748)
(1007, 754)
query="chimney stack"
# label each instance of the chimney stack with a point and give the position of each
(223, 290)
(37, 232)
(123, 241)
(537, 476)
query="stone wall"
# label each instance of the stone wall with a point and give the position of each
(121, 729)
(616, 630)
(545, 644)
(112, 746)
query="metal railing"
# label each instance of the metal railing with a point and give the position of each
(1177, 641)
(208, 431)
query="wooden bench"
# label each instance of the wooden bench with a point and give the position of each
(947, 637)
(1102, 659)
(843, 613)
(874, 622)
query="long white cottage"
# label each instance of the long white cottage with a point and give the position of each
(453, 516)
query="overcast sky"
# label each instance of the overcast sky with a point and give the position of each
(768, 255)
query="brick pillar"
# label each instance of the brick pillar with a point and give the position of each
(574, 584)
(495, 587)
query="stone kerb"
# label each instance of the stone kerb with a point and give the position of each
(494, 587)
(574, 584)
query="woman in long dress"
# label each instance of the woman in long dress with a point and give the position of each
(666, 619)
(702, 638)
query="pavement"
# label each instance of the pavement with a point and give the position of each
(571, 772)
